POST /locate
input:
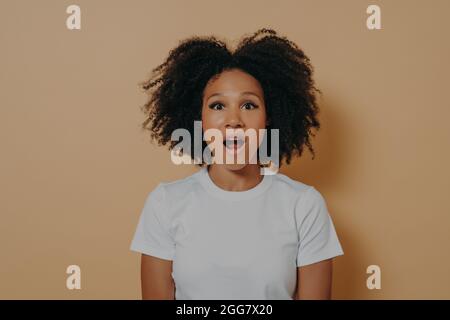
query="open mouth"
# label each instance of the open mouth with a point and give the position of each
(233, 144)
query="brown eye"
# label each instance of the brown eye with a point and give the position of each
(250, 106)
(214, 106)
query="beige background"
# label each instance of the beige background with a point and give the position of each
(76, 168)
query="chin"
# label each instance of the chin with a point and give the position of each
(235, 167)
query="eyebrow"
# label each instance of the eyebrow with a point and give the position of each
(242, 93)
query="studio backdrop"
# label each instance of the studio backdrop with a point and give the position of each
(76, 166)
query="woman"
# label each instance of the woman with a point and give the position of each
(226, 231)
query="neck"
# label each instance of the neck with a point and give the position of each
(235, 180)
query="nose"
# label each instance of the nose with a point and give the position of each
(234, 120)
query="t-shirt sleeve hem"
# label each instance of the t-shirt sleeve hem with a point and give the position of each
(319, 257)
(152, 251)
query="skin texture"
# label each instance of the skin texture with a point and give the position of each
(315, 281)
(232, 110)
(156, 279)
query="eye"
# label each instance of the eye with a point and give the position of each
(250, 106)
(216, 106)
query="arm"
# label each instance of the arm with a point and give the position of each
(314, 281)
(156, 279)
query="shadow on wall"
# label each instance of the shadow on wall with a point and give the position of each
(331, 146)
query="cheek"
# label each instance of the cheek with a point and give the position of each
(205, 117)
(211, 119)
(256, 120)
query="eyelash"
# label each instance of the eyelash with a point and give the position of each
(212, 105)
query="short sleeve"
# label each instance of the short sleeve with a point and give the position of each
(152, 236)
(317, 236)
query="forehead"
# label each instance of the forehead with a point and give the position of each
(233, 81)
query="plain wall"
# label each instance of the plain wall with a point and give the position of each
(76, 168)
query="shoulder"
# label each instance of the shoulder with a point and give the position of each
(176, 189)
(291, 187)
(302, 194)
(167, 196)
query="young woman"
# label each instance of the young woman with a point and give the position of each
(226, 231)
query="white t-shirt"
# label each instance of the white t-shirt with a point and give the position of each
(236, 244)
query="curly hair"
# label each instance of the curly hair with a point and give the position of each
(284, 71)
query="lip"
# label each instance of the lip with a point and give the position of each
(242, 138)
(235, 148)
(234, 134)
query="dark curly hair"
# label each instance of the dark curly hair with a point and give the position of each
(283, 70)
